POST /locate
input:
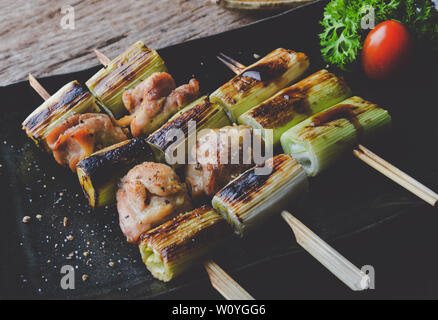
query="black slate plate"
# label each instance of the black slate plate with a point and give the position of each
(345, 200)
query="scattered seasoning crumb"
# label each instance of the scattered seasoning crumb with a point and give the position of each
(88, 243)
(44, 186)
(111, 264)
(39, 217)
(65, 221)
(257, 56)
(1, 166)
(70, 238)
(49, 261)
(84, 277)
(26, 219)
(70, 255)
(61, 194)
(56, 245)
(53, 178)
(5, 142)
(86, 253)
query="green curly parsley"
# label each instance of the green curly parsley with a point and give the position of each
(342, 37)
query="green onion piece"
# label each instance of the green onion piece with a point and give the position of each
(123, 73)
(260, 81)
(202, 112)
(176, 245)
(294, 104)
(250, 199)
(71, 99)
(324, 138)
(100, 173)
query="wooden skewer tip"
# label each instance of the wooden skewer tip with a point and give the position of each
(224, 284)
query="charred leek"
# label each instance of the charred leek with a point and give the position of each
(322, 139)
(296, 103)
(202, 112)
(173, 247)
(100, 173)
(124, 72)
(69, 100)
(260, 81)
(251, 198)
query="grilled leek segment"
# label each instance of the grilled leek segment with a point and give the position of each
(294, 104)
(322, 139)
(260, 81)
(71, 99)
(260, 4)
(124, 72)
(250, 199)
(173, 247)
(202, 112)
(99, 174)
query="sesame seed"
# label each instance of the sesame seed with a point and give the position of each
(86, 253)
(39, 217)
(65, 221)
(26, 219)
(111, 264)
(70, 238)
(84, 277)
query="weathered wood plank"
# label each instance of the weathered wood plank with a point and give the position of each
(32, 40)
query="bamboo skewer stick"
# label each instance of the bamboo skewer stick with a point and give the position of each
(38, 87)
(224, 284)
(369, 157)
(337, 264)
(396, 175)
(219, 279)
(103, 59)
(232, 64)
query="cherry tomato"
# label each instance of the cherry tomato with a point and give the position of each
(387, 50)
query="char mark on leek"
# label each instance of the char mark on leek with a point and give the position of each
(294, 104)
(203, 113)
(260, 81)
(324, 138)
(250, 199)
(71, 99)
(176, 245)
(123, 73)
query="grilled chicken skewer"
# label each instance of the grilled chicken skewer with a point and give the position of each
(150, 251)
(68, 124)
(360, 152)
(277, 70)
(219, 279)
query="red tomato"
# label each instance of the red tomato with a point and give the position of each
(387, 50)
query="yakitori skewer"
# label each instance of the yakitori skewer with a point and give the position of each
(363, 153)
(219, 279)
(286, 185)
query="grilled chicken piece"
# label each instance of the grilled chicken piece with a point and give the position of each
(157, 86)
(148, 195)
(216, 159)
(154, 101)
(81, 135)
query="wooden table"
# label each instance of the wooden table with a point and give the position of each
(32, 39)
